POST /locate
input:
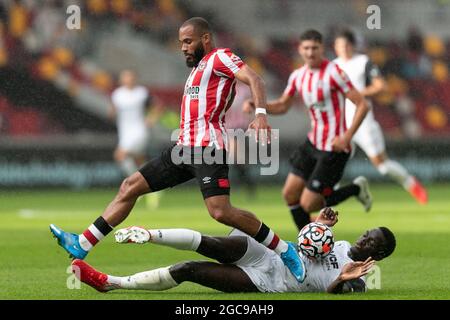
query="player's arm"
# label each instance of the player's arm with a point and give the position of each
(375, 82)
(342, 143)
(378, 85)
(258, 88)
(278, 106)
(349, 280)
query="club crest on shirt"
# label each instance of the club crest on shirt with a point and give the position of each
(202, 66)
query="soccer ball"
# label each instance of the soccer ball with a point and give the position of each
(315, 240)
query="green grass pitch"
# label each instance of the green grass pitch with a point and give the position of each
(32, 266)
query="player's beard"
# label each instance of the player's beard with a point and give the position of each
(198, 55)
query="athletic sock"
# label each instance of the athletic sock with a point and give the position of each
(128, 166)
(300, 216)
(96, 232)
(270, 239)
(155, 280)
(396, 172)
(183, 239)
(342, 194)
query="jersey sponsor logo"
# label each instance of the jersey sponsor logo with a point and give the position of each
(192, 92)
(331, 262)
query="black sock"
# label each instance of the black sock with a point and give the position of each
(342, 194)
(300, 216)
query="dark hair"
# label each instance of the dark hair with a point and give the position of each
(347, 35)
(390, 242)
(201, 26)
(311, 34)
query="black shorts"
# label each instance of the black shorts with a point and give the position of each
(166, 171)
(320, 169)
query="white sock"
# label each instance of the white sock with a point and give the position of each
(155, 280)
(397, 172)
(128, 166)
(183, 239)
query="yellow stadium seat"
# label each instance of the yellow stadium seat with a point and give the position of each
(435, 117)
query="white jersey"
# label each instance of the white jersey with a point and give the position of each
(321, 273)
(361, 72)
(130, 105)
(369, 135)
(269, 274)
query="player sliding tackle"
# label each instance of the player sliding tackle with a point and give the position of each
(244, 264)
(208, 92)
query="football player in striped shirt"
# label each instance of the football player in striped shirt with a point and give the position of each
(318, 164)
(209, 92)
(367, 78)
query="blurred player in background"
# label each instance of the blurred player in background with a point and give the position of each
(245, 265)
(236, 119)
(319, 163)
(367, 78)
(135, 113)
(208, 93)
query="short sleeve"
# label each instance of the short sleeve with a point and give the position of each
(341, 80)
(227, 63)
(290, 88)
(371, 71)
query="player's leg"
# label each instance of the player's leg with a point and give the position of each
(371, 141)
(125, 161)
(399, 174)
(329, 172)
(303, 161)
(223, 249)
(223, 277)
(158, 174)
(292, 191)
(214, 184)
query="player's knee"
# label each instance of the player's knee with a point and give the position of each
(131, 187)
(183, 271)
(289, 196)
(220, 214)
(308, 206)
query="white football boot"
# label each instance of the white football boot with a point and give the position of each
(132, 235)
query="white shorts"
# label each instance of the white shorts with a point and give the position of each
(369, 137)
(134, 144)
(264, 267)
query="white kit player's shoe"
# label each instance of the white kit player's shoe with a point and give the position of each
(132, 235)
(364, 196)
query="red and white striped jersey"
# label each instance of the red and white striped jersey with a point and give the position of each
(208, 93)
(323, 92)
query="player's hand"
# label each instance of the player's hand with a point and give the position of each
(355, 270)
(261, 128)
(328, 216)
(341, 144)
(248, 106)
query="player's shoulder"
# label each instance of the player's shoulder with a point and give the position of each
(342, 245)
(360, 58)
(117, 92)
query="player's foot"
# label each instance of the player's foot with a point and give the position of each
(292, 260)
(132, 235)
(418, 192)
(364, 196)
(69, 241)
(88, 275)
